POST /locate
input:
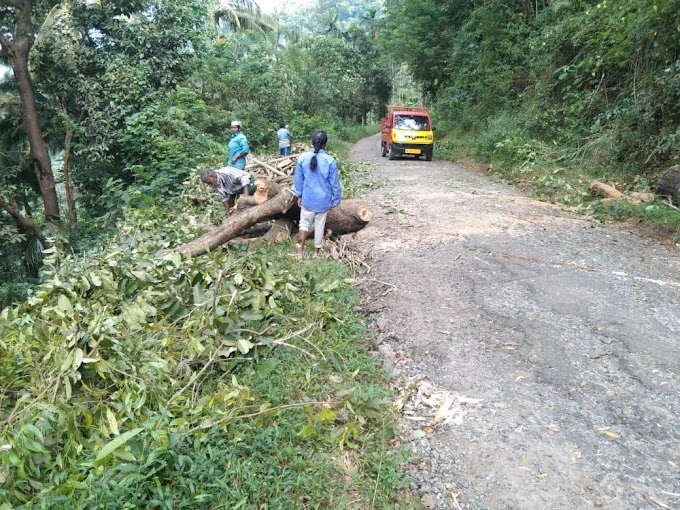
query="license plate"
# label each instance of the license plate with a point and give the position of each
(412, 151)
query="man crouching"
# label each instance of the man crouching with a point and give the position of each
(229, 183)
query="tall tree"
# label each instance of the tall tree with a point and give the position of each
(16, 38)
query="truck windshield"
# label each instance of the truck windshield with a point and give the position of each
(412, 122)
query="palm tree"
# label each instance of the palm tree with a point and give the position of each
(230, 16)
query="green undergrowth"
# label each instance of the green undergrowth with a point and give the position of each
(555, 174)
(136, 378)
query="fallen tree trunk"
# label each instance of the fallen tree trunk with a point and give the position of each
(349, 216)
(669, 184)
(265, 188)
(237, 223)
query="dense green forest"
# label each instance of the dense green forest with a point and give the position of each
(133, 377)
(553, 93)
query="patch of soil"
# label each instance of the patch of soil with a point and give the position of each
(667, 236)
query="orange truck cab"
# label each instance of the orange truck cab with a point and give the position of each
(407, 130)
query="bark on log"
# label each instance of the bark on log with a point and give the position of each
(237, 223)
(669, 184)
(257, 230)
(245, 203)
(281, 230)
(349, 216)
(604, 190)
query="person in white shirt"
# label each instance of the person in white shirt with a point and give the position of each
(229, 183)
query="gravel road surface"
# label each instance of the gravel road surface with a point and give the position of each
(536, 354)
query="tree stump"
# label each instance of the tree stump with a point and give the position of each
(669, 184)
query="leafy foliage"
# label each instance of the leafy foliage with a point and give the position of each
(131, 378)
(142, 92)
(595, 75)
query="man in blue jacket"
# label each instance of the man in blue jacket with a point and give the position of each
(285, 138)
(237, 148)
(317, 185)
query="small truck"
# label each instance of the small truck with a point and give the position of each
(407, 130)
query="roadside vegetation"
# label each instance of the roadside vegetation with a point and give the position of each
(133, 378)
(237, 380)
(552, 94)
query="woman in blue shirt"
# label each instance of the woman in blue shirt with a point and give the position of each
(237, 148)
(317, 185)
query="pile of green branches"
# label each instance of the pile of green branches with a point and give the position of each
(123, 368)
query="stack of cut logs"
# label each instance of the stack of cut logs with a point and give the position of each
(279, 170)
(272, 211)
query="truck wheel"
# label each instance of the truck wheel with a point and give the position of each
(383, 150)
(428, 157)
(390, 154)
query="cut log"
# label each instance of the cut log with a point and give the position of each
(639, 198)
(604, 190)
(266, 190)
(237, 223)
(349, 216)
(245, 203)
(669, 184)
(281, 230)
(285, 163)
(268, 167)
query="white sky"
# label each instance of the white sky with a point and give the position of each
(269, 6)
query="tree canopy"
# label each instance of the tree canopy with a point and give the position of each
(142, 91)
(599, 77)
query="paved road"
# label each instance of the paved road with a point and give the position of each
(549, 345)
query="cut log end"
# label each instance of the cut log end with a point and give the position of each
(364, 214)
(265, 190)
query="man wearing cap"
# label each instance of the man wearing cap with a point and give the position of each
(237, 148)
